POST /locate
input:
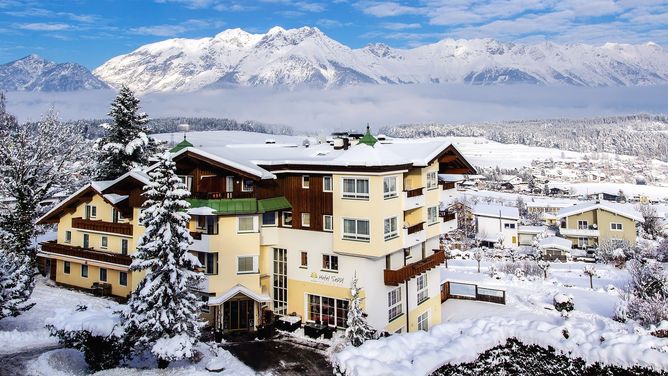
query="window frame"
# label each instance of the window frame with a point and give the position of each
(392, 234)
(254, 265)
(423, 321)
(306, 181)
(395, 307)
(120, 278)
(68, 237)
(586, 225)
(390, 194)
(432, 180)
(356, 236)
(245, 188)
(324, 222)
(326, 179)
(283, 215)
(67, 267)
(270, 224)
(104, 242)
(614, 228)
(509, 226)
(303, 259)
(125, 245)
(434, 220)
(328, 258)
(84, 267)
(306, 215)
(355, 195)
(422, 291)
(252, 222)
(106, 276)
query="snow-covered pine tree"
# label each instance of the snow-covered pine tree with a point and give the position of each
(127, 144)
(163, 312)
(16, 283)
(358, 330)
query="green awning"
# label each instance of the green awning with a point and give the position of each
(240, 205)
(273, 204)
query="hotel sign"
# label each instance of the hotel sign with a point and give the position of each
(327, 278)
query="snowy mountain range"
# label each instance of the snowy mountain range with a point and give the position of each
(33, 73)
(305, 57)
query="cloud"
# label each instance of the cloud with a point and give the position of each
(388, 9)
(45, 13)
(325, 110)
(400, 26)
(177, 29)
(45, 26)
(192, 4)
(328, 23)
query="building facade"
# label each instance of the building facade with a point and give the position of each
(586, 225)
(284, 228)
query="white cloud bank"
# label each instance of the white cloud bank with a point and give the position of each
(353, 107)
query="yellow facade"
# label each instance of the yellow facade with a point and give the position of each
(603, 221)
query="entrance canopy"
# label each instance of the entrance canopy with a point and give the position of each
(234, 291)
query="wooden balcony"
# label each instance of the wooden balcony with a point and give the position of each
(446, 215)
(415, 228)
(446, 185)
(222, 195)
(85, 253)
(395, 277)
(102, 226)
(414, 192)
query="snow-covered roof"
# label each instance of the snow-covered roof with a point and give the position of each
(506, 212)
(555, 242)
(619, 209)
(70, 197)
(114, 198)
(238, 289)
(452, 178)
(548, 204)
(204, 210)
(531, 229)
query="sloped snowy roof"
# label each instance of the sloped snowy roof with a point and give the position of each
(114, 198)
(531, 229)
(451, 177)
(507, 212)
(555, 242)
(619, 209)
(238, 289)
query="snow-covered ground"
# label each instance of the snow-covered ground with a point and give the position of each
(469, 328)
(52, 304)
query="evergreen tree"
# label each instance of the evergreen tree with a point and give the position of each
(358, 330)
(127, 144)
(163, 312)
(16, 283)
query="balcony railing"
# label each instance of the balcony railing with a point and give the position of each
(446, 215)
(85, 253)
(102, 226)
(414, 192)
(395, 277)
(222, 195)
(415, 228)
(446, 185)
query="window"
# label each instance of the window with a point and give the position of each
(287, 219)
(583, 225)
(247, 186)
(86, 241)
(583, 242)
(280, 281)
(327, 222)
(304, 259)
(422, 293)
(509, 225)
(68, 236)
(394, 303)
(246, 264)
(356, 229)
(187, 180)
(432, 215)
(306, 181)
(389, 187)
(356, 188)
(330, 262)
(123, 278)
(432, 180)
(116, 216)
(105, 242)
(269, 219)
(423, 321)
(306, 219)
(103, 275)
(84, 271)
(66, 267)
(201, 222)
(124, 246)
(209, 262)
(390, 228)
(245, 224)
(205, 304)
(328, 311)
(91, 211)
(326, 183)
(616, 226)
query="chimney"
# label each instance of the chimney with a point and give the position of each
(338, 143)
(346, 143)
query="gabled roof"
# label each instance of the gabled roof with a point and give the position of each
(244, 168)
(234, 291)
(555, 242)
(619, 209)
(496, 211)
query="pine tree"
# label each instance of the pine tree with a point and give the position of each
(16, 283)
(127, 144)
(163, 312)
(358, 330)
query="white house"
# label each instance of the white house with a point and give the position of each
(497, 224)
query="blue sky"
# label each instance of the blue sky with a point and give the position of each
(91, 32)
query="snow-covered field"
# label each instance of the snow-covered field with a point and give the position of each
(470, 328)
(27, 332)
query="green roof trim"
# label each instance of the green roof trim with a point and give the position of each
(181, 145)
(232, 206)
(273, 204)
(368, 139)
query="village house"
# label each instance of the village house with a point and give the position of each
(587, 224)
(496, 224)
(283, 228)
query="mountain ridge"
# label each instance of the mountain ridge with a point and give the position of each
(34, 73)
